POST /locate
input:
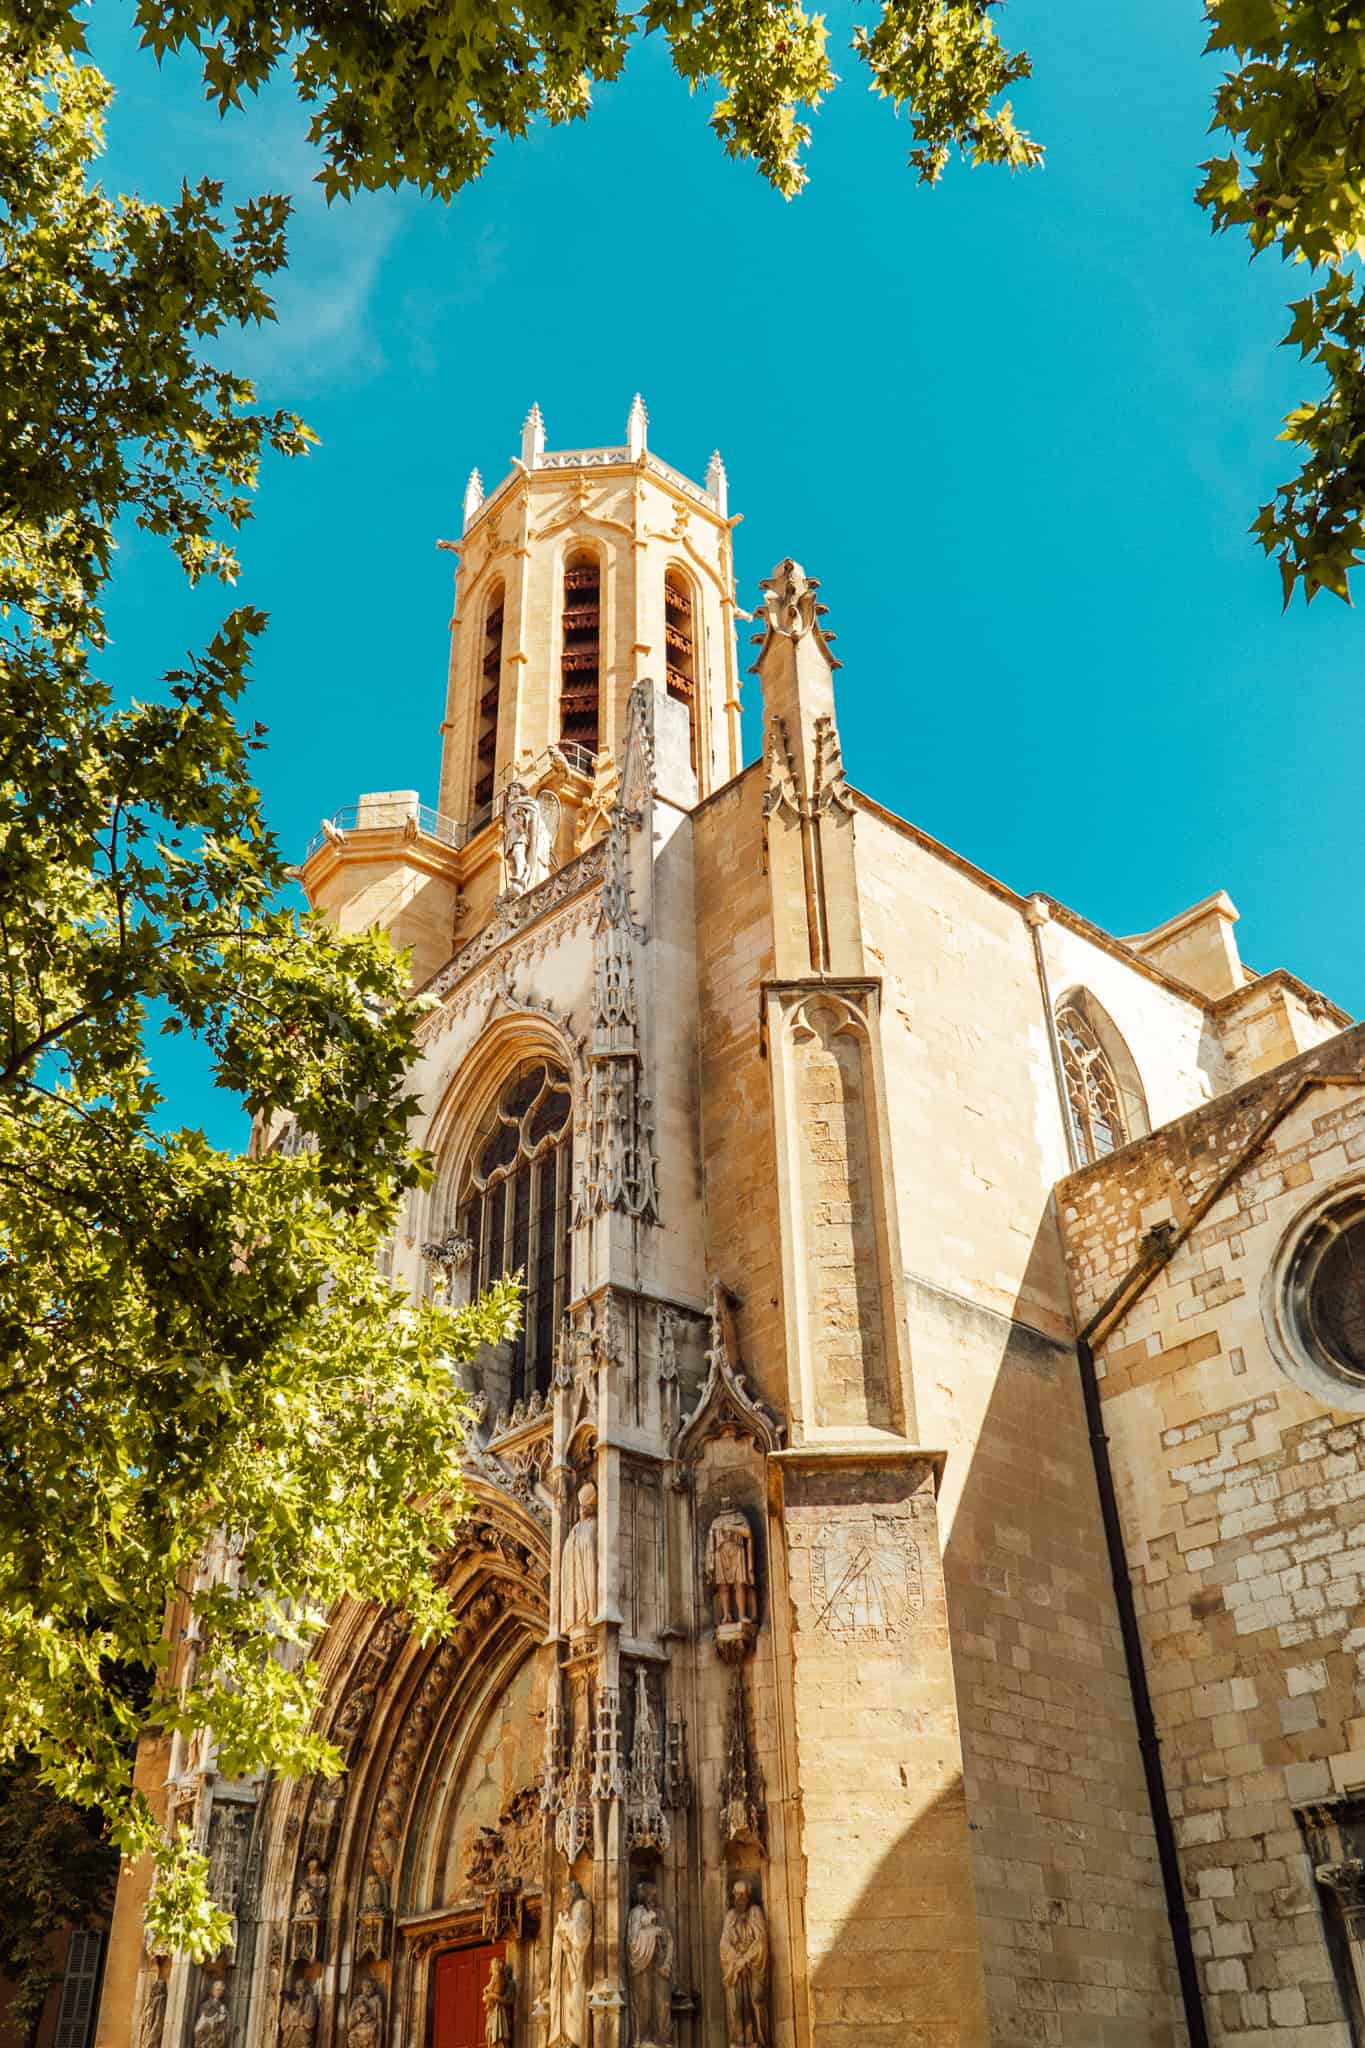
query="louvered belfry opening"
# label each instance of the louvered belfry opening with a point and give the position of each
(581, 659)
(681, 655)
(490, 681)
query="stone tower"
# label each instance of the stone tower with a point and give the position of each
(857, 1521)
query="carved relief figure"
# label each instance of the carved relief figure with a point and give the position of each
(299, 2016)
(153, 2013)
(498, 1996)
(649, 1959)
(744, 1968)
(213, 2026)
(730, 1566)
(578, 1570)
(569, 1959)
(372, 1922)
(365, 2019)
(310, 1904)
(529, 828)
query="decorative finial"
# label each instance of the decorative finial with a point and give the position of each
(718, 484)
(473, 496)
(532, 438)
(789, 599)
(637, 426)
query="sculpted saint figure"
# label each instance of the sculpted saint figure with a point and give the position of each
(578, 1564)
(744, 1967)
(365, 2020)
(299, 2017)
(310, 1901)
(730, 1566)
(649, 1959)
(153, 2014)
(569, 1972)
(213, 2027)
(498, 1994)
(529, 825)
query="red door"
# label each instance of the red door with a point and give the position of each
(461, 1974)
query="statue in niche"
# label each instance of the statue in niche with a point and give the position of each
(299, 2016)
(328, 1800)
(213, 2025)
(744, 1968)
(569, 1971)
(530, 826)
(372, 1921)
(153, 2012)
(578, 1564)
(365, 2018)
(730, 1575)
(310, 1904)
(499, 1993)
(649, 1959)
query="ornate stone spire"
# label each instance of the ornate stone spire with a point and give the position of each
(532, 438)
(473, 495)
(637, 428)
(718, 484)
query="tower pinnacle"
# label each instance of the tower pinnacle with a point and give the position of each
(532, 438)
(637, 428)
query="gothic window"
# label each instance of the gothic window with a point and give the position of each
(1104, 1099)
(581, 653)
(488, 683)
(515, 1209)
(680, 628)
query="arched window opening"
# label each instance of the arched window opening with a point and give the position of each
(516, 1211)
(681, 654)
(489, 685)
(581, 655)
(1104, 1099)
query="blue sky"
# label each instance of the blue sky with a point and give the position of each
(1016, 426)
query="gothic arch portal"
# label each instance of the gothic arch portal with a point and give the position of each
(431, 1838)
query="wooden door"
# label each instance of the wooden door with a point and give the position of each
(457, 2014)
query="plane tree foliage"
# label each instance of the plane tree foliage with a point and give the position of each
(197, 1349)
(420, 91)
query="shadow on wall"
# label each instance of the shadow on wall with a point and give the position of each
(876, 1986)
(1075, 1939)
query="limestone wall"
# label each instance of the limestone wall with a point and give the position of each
(1073, 1924)
(1243, 1504)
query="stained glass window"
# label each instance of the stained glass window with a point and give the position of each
(516, 1209)
(1094, 1103)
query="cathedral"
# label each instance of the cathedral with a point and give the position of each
(911, 1591)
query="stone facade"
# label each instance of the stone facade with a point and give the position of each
(905, 1403)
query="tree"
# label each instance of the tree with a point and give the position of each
(190, 1342)
(419, 93)
(56, 1871)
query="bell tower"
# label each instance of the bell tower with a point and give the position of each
(582, 572)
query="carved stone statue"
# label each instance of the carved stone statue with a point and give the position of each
(578, 1564)
(213, 2026)
(299, 2016)
(744, 1968)
(365, 2018)
(310, 1906)
(328, 1800)
(569, 1972)
(730, 1566)
(649, 1959)
(499, 1994)
(153, 2013)
(530, 825)
(372, 1921)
